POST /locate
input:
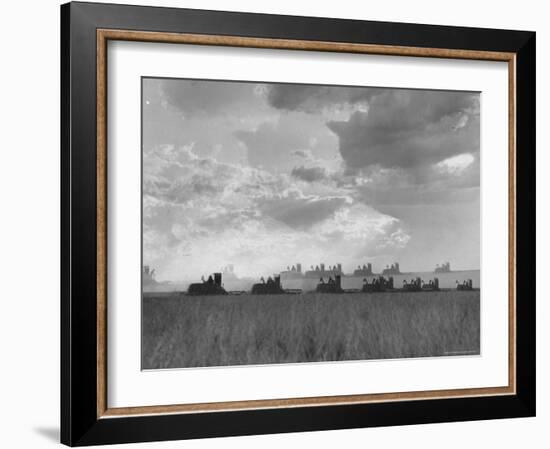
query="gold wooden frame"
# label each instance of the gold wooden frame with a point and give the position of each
(104, 35)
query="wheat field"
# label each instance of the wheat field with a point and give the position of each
(183, 331)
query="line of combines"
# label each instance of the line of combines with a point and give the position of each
(214, 286)
(321, 270)
(295, 272)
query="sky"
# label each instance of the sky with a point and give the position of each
(263, 175)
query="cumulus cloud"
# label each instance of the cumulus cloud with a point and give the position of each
(301, 213)
(456, 164)
(297, 96)
(273, 146)
(421, 145)
(440, 183)
(309, 174)
(303, 154)
(218, 213)
(331, 102)
(362, 223)
(313, 98)
(210, 97)
(407, 128)
(257, 174)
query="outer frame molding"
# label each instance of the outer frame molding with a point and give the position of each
(85, 418)
(106, 35)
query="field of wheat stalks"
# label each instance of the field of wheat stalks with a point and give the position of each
(184, 331)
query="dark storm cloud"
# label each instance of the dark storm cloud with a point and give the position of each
(309, 174)
(304, 154)
(293, 96)
(209, 97)
(407, 128)
(301, 213)
(453, 180)
(310, 98)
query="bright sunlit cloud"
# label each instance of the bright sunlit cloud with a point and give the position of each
(456, 164)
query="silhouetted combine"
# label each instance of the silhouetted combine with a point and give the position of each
(294, 272)
(417, 285)
(465, 285)
(331, 286)
(392, 269)
(269, 287)
(365, 270)
(431, 285)
(443, 268)
(320, 271)
(212, 286)
(379, 284)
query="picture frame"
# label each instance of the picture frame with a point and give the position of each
(86, 418)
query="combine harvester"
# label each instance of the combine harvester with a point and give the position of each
(213, 286)
(466, 285)
(443, 268)
(331, 286)
(320, 271)
(417, 285)
(272, 287)
(365, 270)
(392, 269)
(379, 284)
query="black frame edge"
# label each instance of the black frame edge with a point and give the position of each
(78, 217)
(79, 423)
(65, 378)
(526, 223)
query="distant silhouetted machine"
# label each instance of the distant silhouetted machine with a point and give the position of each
(392, 269)
(294, 272)
(331, 286)
(464, 285)
(269, 287)
(417, 285)
(443, 268)
(379, 284)
(212, 286)
(272, 287)
(365, 270)
(321, 271)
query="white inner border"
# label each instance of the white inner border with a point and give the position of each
(129, 386)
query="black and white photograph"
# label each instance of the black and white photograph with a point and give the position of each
(291, 223)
